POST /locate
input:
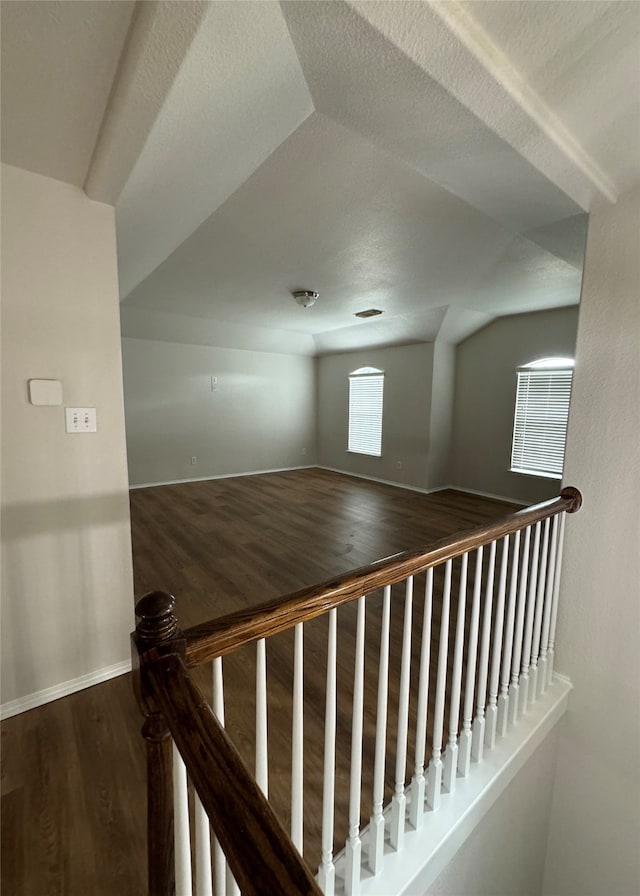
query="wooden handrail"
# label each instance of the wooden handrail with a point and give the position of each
(218, 637)
(263, 859)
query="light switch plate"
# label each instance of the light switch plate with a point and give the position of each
(81, 419)
(45, 392)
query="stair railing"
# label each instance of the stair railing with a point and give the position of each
(485, 653)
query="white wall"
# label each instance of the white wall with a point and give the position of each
(442, 401)
(504, 856)
(261, 416)
(67, 601)
(485, 393)
(594, 837)
(406, 413)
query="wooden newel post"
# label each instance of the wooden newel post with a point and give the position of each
(156, 634)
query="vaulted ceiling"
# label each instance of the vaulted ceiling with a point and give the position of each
(434, 160)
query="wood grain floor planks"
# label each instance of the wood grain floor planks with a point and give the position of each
(73, 792)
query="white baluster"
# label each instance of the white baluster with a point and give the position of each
(556, 590)
(327, 871)
(477, 743)
(296, 741)
(528, 627)
(262, 753)
(464, 746)
(503, 699)
(434, 780)
(537, 624)
(416, 808)
(492, 706)
(203, 849)
(219, 869)
(376, 825)
(514, 687)
(548, 606)
(354, 844)
(451, 753)
(220, 862)
(181, 831)
(399, 801)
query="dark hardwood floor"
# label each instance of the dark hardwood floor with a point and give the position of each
(73, 806)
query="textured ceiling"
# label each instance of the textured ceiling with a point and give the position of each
(585, 65)
(432, 159)
(58, 65)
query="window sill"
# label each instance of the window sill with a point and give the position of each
(538, 474)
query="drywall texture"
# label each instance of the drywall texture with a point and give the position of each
(67, 596)
(405, 416)
(261, 415)
(595, 820)
(504, 856)
(485, 394)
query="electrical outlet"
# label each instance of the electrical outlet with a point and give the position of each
(194, 461)
(304, 450)
(398, 465)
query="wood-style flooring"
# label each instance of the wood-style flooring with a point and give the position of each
(73, 791)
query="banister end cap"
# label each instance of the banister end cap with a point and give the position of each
(571, 493)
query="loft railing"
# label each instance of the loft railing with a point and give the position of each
(482, 651)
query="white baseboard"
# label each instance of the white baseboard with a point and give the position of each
(474, 491)
(219, 476)
(425, 491)
(411, 488)
(22, 704)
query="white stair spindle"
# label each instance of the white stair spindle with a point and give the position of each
(219, 869)
(528, 627)
(327, 871)
(451, 753)
(556, 590)
(503, 699)
(537, 623)
(492, 706)
(182, 841)
(477, 742)
(262, 762)
(353, 847)
(464, 745)
(218, 690)
(548, 606)
(514, 687)
(376, 825)
(434, 780)
(203, 849)
(416, 807)
(296, 741)
(399, 800)
(220, 862)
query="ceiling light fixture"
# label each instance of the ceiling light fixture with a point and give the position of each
(305, 297)
(370, 312)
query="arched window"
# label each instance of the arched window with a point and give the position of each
(366, 390)
(543, 394)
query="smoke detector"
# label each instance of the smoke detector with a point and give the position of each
(305, 297)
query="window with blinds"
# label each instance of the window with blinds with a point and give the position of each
(366, 389)
(540, 422)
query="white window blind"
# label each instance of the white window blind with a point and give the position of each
(366, 388)
(540, 421)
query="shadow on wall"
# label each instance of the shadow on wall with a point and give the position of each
(25, 519)
(65, 613)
